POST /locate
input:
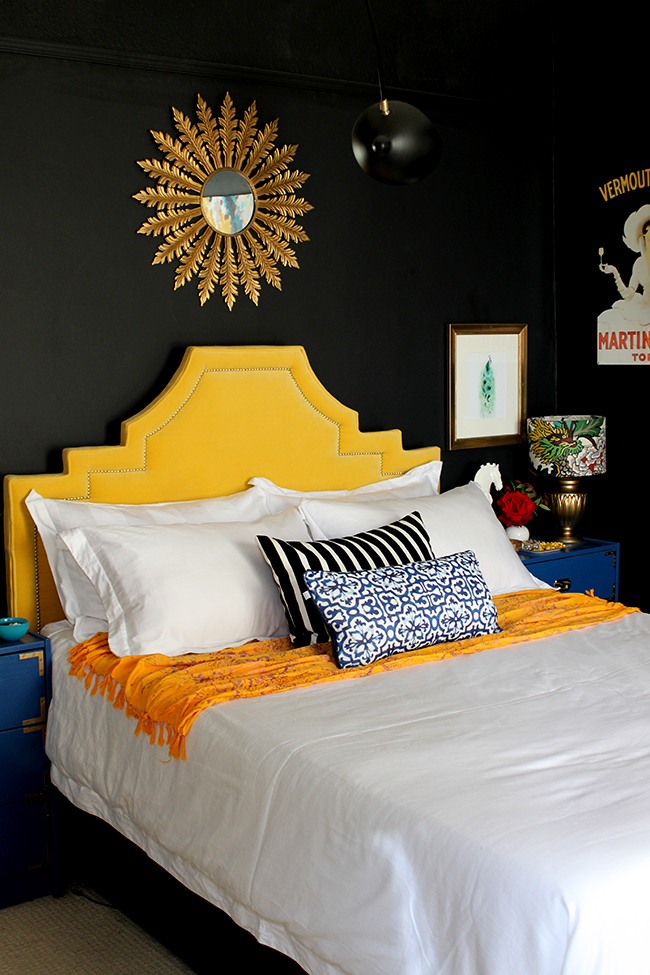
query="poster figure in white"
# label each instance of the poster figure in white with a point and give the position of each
(624, 329)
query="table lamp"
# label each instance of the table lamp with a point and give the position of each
(567, 448)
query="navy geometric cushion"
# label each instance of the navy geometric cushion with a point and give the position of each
(405, 540)
(383, 611)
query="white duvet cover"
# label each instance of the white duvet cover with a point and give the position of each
(485, 815)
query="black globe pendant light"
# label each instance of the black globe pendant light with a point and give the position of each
(394, 142)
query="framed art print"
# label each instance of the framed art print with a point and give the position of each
(487, 385)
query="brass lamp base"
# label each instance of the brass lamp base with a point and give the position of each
(568, 505)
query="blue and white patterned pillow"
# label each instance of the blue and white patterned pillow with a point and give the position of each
(379, 612)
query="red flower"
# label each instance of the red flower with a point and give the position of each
(516, 508)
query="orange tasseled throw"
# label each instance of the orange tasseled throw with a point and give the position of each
(165, 694)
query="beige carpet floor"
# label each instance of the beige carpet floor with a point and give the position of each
(79, 934)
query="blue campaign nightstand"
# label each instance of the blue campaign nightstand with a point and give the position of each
(26, 833)
(580, 567)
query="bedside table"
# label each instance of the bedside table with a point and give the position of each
(26, 835)
(585, 565)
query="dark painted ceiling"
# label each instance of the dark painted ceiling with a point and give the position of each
(488, 49)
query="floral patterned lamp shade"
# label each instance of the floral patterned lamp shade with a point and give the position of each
(567, 448)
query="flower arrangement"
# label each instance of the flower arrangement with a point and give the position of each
(518, 504)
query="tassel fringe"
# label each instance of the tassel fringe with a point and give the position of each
(165, 694)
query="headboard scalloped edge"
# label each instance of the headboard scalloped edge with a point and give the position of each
(229, 413)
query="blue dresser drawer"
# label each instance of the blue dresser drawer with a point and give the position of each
(588, 565)
(27, 843)
(23, 763)
(22, 687)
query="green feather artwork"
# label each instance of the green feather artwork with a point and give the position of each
(486, 395)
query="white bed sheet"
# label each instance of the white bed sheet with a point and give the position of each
(485, 815)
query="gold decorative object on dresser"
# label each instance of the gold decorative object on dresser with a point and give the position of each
(225, 202)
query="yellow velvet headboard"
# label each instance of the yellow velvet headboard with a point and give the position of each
(228, 414)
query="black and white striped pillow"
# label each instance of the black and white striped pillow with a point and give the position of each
(399, 543)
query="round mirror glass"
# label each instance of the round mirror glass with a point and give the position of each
(228, 202)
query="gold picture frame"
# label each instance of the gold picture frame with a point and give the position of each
(487, 385)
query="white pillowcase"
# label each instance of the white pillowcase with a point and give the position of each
(457, 520)
(185, 588)
(79, 599)
(419, 482)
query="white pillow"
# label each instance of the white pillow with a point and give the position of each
(457, 520)
(79, 599)
(419, 482)
(185, 588)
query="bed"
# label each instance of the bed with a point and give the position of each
(483, 813)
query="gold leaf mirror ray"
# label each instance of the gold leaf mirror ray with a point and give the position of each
(226, 203)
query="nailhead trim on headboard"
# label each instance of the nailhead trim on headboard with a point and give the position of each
(152, 433)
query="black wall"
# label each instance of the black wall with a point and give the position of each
(599, 135)
(91, 331)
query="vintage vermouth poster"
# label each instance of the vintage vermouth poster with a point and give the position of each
(623, 334)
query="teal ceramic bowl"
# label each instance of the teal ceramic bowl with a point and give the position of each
(13, 627)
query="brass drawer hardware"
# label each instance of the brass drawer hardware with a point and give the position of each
(41, 660)
(39, 720)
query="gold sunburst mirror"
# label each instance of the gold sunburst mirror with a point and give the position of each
(225, 202)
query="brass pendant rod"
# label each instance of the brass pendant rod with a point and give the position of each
(383, 101)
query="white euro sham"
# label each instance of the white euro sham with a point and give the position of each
(184, 588)
(456, 520)
(422, 480)
(80, 601)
